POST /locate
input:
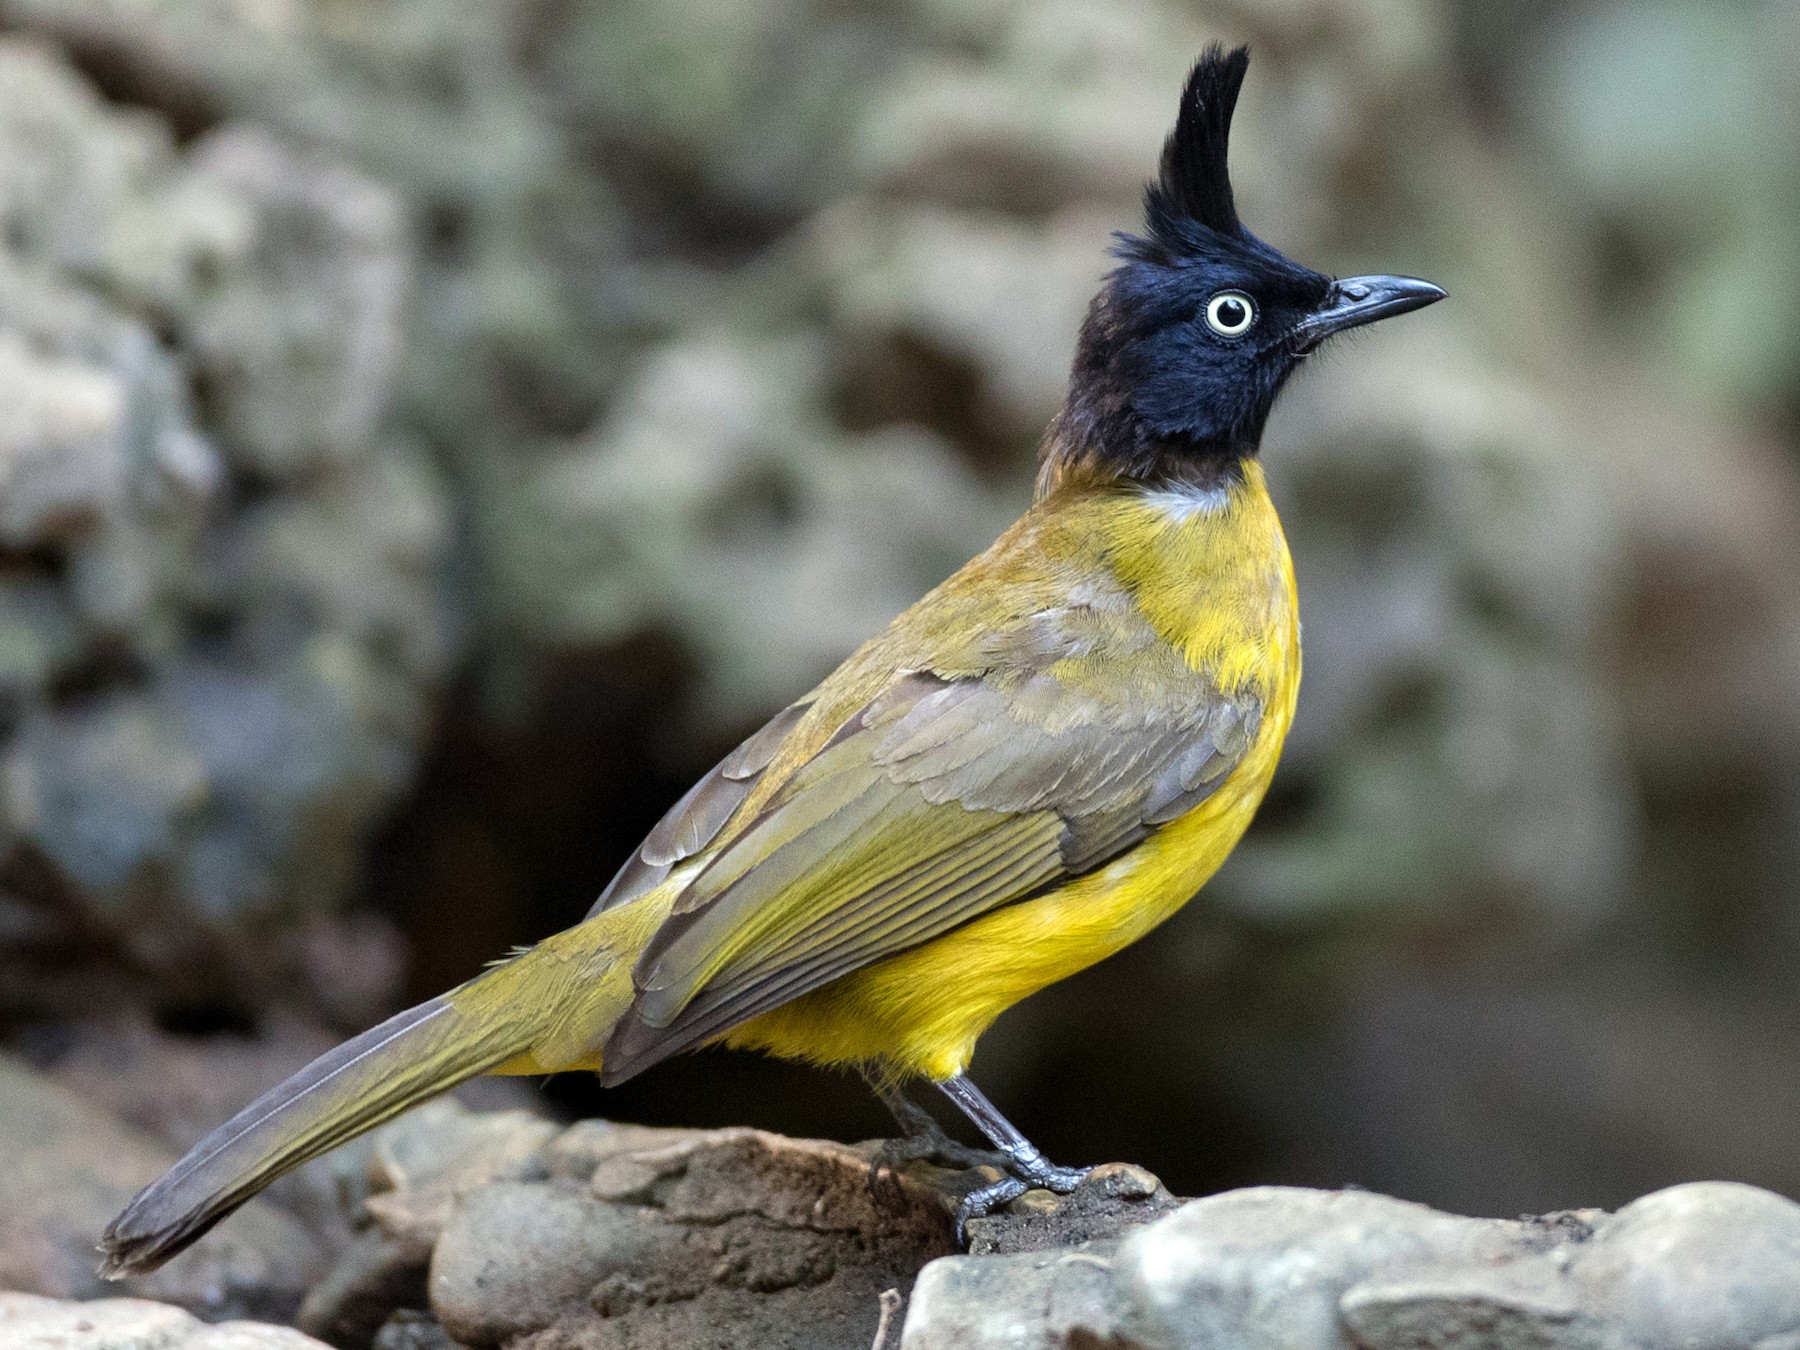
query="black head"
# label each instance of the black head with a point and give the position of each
(1193, 335)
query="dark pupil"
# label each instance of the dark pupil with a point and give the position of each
(1231, 313)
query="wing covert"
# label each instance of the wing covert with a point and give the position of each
(695, 821)
(945, 796)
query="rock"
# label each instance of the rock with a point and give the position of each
(1585, 96)
(421, 1164)
(62, 445)
(222, 617)
(718, 497)
(1278, 1268)
(1040, 1300)
(610, 1234)
(66, 1169)
(175, 1089)
(526, 1254)
(28, 1322)
(107, 793)
(410, 1329)
(1004, 298)
(501, 1230)
(413, 1172)
(1269, 1266)
(299, 332)
(1465, 1314)
(1708, 1263)
(618, 1161)
(1451, 680)
(1111, 1200)
(781, 1240)
(643, 1231)
(374, 1275)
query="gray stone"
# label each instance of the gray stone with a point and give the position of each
(413, 1171)
(1005, 296)
(28, 1322)
(298, 331)
(422, 1162)
(519, 1256)
(1267, 1267)
(374, 1275)
(1703, 1267)
(1510, 772)
(37, 638)
(716, 495)
(254, 669)
(605, 1154)
(1469, 1311)
(1042, 1300)
(1699, 1266)
(66, 1169)
(488, 1229)
(411, 1329)
(781, 1240)
(107, 792)
(63, 459)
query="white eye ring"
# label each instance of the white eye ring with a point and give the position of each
(1230, 313)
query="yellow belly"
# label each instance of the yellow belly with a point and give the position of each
(922, 1011)
(1223, 592)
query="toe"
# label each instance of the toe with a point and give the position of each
(978, 1204)
(1062, 1180)
(894, 1155)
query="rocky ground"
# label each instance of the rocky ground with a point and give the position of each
(454, 1228)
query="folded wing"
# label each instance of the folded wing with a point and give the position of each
(941, 798)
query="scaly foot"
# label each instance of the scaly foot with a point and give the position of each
(1027, 1168)
(1024, 1164)
(922, 1138)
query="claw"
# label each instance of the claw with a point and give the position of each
(1027, 1170)
(978, 1204)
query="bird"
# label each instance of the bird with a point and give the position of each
(1035, 765)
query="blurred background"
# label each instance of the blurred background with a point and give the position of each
(431, 433)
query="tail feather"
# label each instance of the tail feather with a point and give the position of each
(547, 1009)
(363, 1082)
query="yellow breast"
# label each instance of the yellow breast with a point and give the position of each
(1214, 578)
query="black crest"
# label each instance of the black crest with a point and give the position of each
(1194, 183)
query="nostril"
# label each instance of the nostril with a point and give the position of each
(1355, 291)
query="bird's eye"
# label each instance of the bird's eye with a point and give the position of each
(1230, 313)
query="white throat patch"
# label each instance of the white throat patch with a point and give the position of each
(1182, 501)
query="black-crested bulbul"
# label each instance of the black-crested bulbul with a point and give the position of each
(1033, 766)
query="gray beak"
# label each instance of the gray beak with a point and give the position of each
(1355, 301)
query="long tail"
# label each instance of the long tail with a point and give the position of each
(550, 1008)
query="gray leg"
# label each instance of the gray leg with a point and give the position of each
(1028, 1166)
(922, 1137)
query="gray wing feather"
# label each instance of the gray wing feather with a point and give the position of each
(695, 821)
(855, 858)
